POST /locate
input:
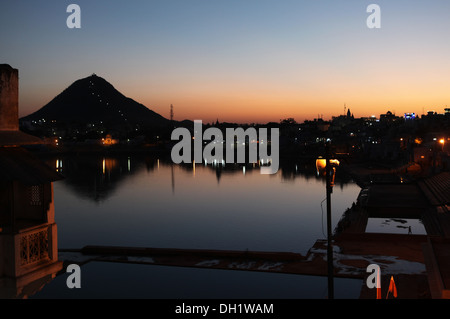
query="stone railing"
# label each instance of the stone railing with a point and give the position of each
(34, 246)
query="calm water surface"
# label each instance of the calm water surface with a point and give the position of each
(148, 202)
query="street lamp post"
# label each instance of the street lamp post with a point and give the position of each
(328, 166)
(329, 245)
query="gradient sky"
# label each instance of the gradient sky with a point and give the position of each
(236, 60)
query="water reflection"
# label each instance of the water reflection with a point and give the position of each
(157, 204)
(97, 178)
(138, 200)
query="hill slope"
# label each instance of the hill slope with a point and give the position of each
(93, 99)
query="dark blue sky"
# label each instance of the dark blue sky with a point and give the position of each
(246, 60)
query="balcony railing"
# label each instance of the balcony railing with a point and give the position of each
(34, 246)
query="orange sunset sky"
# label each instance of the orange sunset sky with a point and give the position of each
(237, 61)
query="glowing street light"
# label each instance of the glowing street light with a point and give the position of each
(321, 168)
(442, 142)
(329, 165)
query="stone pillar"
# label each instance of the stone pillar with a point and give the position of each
(9, 98)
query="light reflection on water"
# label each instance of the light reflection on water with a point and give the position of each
(151, 203)
(148, 202)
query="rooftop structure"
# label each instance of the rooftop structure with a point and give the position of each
(28, 233)
(9, 110)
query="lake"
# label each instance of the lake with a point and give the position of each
(146, 201)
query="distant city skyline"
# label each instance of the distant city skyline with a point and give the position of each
(236, 61)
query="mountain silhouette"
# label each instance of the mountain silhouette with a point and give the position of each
(93, 100)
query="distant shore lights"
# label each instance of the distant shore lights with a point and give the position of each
(236, 139)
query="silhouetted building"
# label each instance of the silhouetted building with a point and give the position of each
(388, 117)
(28, 233)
